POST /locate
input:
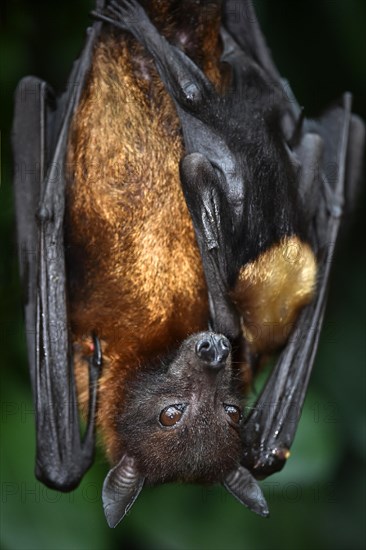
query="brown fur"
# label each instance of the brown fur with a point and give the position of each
(136, 277)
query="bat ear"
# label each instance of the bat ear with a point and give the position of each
(242, 485)
(121, 488)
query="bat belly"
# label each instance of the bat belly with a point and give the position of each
(134, 270)
(271, 291)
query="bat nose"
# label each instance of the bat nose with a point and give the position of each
(214, 349)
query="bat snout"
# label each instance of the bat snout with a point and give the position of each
(213, 349)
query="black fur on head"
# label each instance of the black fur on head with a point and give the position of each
(196, 385)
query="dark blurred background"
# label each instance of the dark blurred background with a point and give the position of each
(318, 501)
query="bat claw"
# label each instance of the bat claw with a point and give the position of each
(97, 352)
(123, 15)
(266, 461)
(95, 368)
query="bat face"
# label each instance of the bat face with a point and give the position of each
(181, 419)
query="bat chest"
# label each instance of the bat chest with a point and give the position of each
(135, 275)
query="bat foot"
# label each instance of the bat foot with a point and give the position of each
(125, 15)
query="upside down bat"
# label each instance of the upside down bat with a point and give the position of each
(181, 224)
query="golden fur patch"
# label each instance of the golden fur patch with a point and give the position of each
(271, 291)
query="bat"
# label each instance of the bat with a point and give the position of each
(182, 221)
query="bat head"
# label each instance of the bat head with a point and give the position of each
(181, 422)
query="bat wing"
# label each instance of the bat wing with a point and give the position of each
(40, 133)
(336, 140)
(240, 20)
(328, 154)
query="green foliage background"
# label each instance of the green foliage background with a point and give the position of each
(318, 501)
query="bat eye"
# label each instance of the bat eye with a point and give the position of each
(233, 412)
(171, 415)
